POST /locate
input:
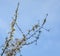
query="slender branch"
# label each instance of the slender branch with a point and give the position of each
(12, 30)
(19, 28)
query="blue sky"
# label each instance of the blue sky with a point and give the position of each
(30, 12)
